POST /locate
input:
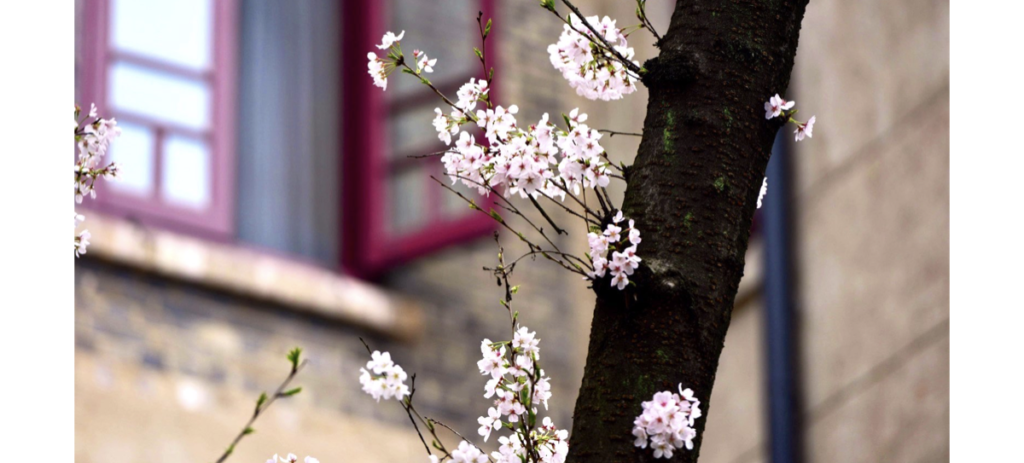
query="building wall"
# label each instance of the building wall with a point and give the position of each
(169, 370)
(871, 213)
(171, 365)
(873, 222)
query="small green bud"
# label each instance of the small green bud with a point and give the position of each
(293, 356)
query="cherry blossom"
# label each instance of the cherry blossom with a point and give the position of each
(423, 63)
(776, 105)
(521, 160)
(622, 246)
(291, 458)
(666, 422)
(378, 70)
(468, 453)
(764, 190)
(470, 93)
(490, 422)
(804, 130)
(387, 379)
(92, 139)
(390, 39)
(592, 70)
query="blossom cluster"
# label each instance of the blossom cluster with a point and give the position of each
(82, 239)
(92, 136)
(776, 106)
(622, 245)
(584, 61)
(379, 68)
(518, 385)
(383, 378)
(465, 453)
(540, 159)
(667, 421)
(291, 458)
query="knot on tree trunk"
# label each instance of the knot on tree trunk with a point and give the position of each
(672, 70)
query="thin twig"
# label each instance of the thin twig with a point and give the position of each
(483, 51)
(497, 218)
(577, 214)
(429, 155)
(612, 133)
(432, 420)
(408, 410)
(582, 204)
(642, 5)
(544, 213)
(426, 82)
(604, 206)
(629, 64)
(260, 408)
(604, 154)
(508, 206)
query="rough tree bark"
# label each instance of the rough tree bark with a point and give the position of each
(692, 191)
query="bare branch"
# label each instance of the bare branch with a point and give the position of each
(612, 133)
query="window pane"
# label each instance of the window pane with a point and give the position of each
(444, 29)
(185, 172)
(412, 130)
(408, 200)
(133, 150)
(178, 31)
(159, 95)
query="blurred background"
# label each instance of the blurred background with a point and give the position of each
(268, 201)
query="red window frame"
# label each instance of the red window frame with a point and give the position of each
(217, 221)
(367, 249)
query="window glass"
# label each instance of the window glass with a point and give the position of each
(178, 32)
(133, 150)
(159, 95)
(185, 172)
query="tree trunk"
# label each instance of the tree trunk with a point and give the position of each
(692, 191)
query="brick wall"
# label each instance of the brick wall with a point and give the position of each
(167, 364)
(167, 370)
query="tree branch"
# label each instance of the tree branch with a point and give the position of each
(625, 62)
(261, 406)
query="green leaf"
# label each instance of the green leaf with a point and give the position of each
(261, 400)
(487, 28)
(293, 356)
(479, 54)
(291, 392)
(514, 289)
(248, 431)
(567, 121)
(548, 4)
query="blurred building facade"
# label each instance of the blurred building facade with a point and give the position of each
(223, 249)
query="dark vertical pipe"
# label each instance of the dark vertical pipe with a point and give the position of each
(783, 406)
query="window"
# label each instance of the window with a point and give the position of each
(393, 211)
(255, 122)
(165, 70)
